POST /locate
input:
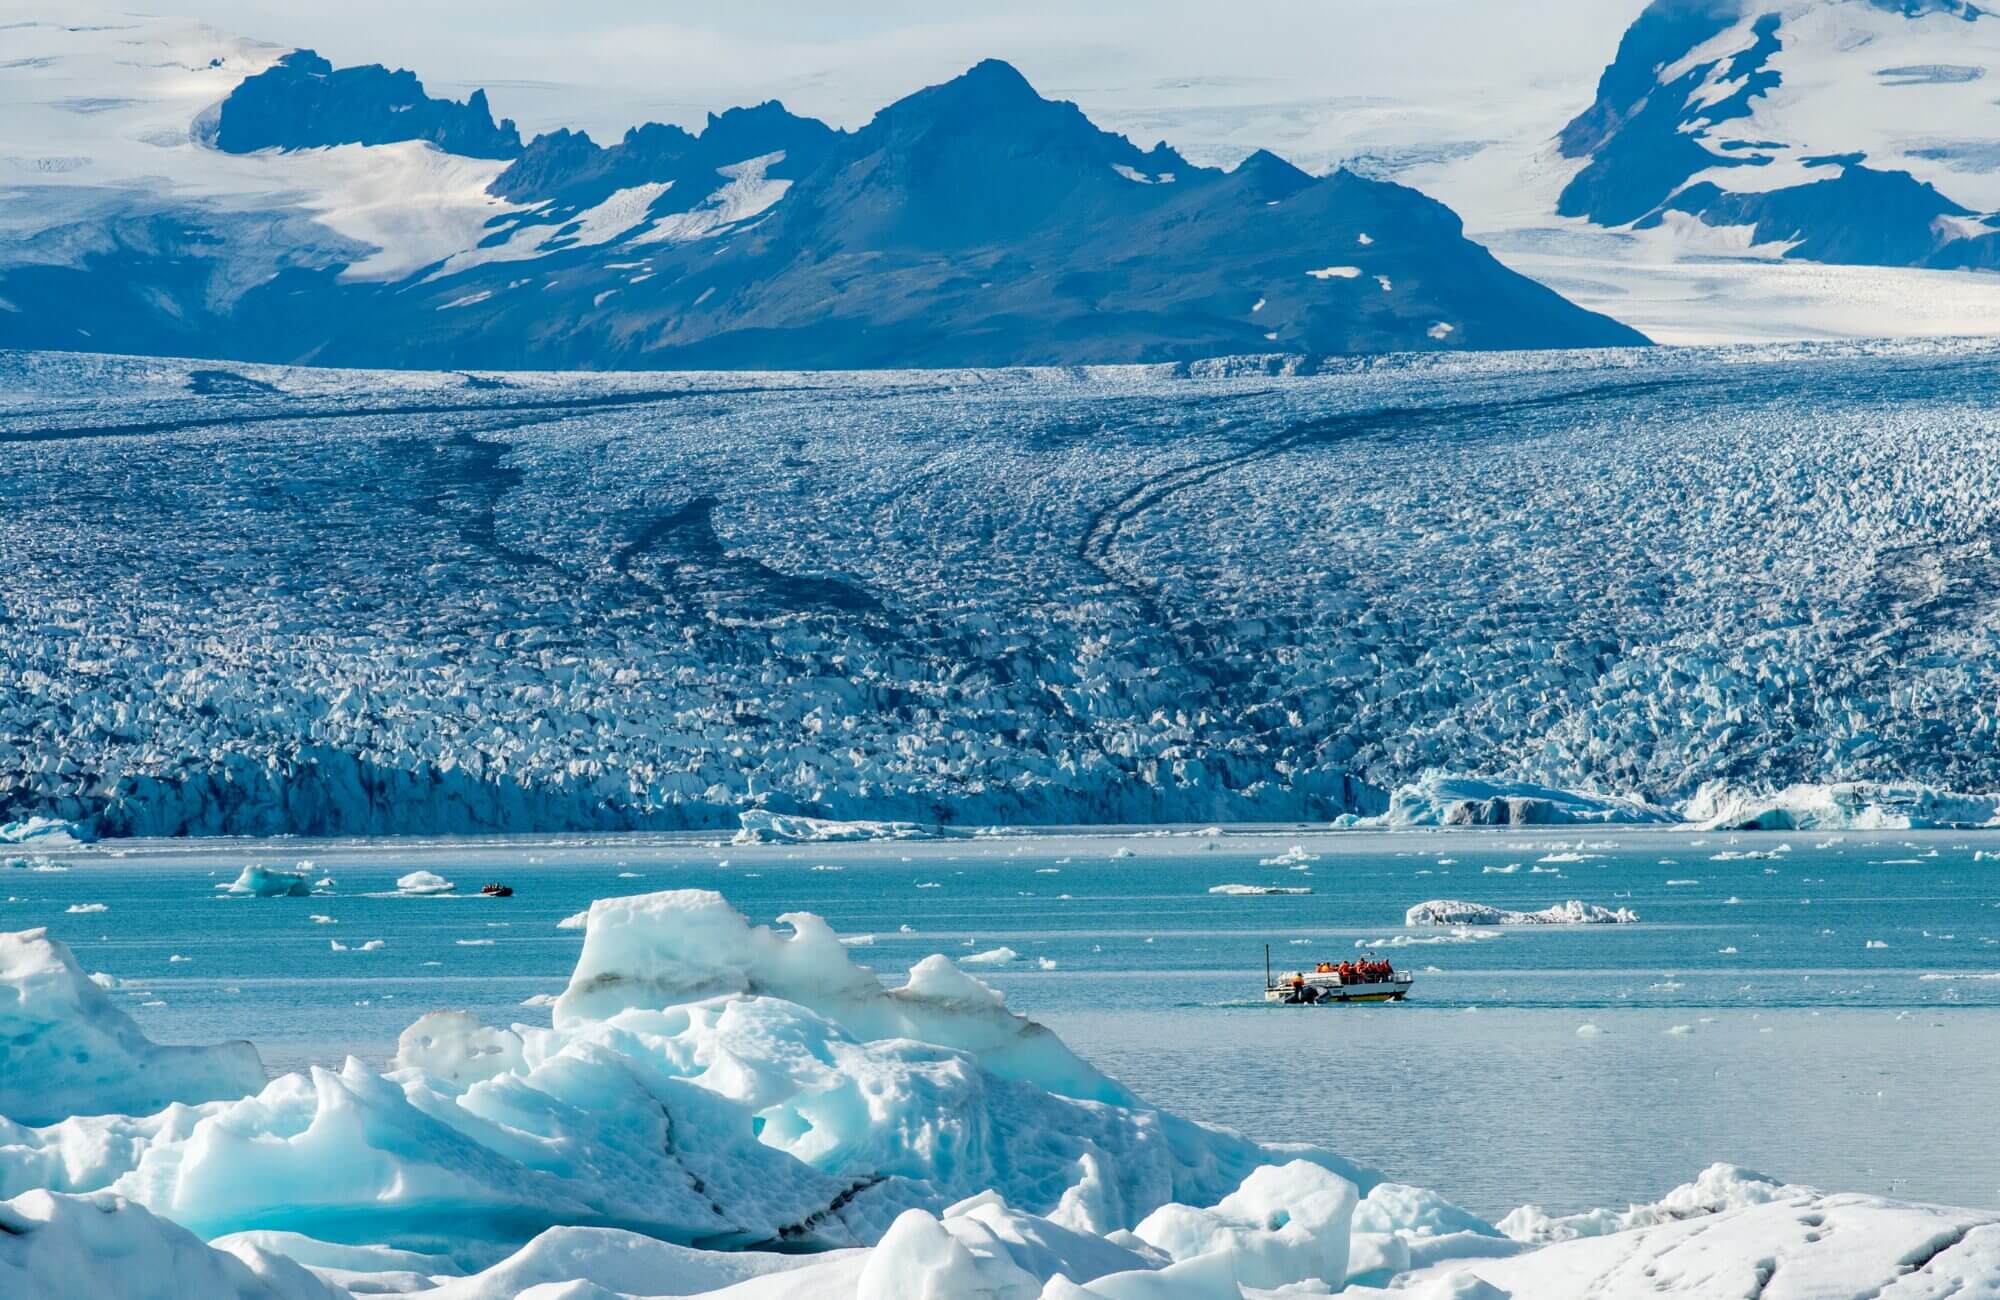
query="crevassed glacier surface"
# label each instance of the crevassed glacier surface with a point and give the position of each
(265, 600)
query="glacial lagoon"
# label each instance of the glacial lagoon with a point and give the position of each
(1824, 1008)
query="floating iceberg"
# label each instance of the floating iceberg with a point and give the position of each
(1451, 911)
(262, 882)
(66, 1049)
(1440, 799)
(761, 827)
(1255, 890)
(423, 882)
(1852, 805)
(45, 833)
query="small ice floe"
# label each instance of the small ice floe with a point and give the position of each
(827, 866)
(1507, 870)
(1457, 934)
(1727, 952)
(1589, 1031)
(991, 957)
(177, 958)
(574, 921)
(78, 909)
(1681, 884)
(539, 1000)
(1680, 1030)
(858, 940)
(423, 882)
(156, 1002)
(1045, 963)
(1294, 856)
(1876, 943)
(324, 882)
(373, 945)
(930, 884)
(1247, 891)
(1732, 901)
(1336, 273)
(473, 943)
(1123, 851)
(630, 875)
(906, 928)
(1048, 871)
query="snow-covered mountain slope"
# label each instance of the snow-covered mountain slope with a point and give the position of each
(1483, 133)
(1842, 131)
(257, 600)
(170, 190)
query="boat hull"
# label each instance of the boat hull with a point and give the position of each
(1328, 994)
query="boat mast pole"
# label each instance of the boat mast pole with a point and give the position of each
(1267, 965)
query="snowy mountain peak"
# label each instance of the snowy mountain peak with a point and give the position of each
(1829, 130)
(302, 102)
(347, 215)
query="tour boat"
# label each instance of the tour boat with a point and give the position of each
(1313, 988)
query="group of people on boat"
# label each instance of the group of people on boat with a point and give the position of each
(1365, 971)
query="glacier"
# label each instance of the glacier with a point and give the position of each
(964, 598)
(737, 1110)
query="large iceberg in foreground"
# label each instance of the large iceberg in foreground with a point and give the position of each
(740, 1112)
(66, 1049)
(705, 1081)
(1441, 799)
(1452, 911)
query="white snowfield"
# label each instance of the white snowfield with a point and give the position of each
(970, 598)
(729, 1110)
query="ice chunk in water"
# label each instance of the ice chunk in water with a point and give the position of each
(66, 1049)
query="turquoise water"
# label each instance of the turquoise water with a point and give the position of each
(1749, 1016)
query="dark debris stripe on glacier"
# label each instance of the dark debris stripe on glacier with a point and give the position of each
(270, 600)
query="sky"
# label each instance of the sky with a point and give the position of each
(1308, 77)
